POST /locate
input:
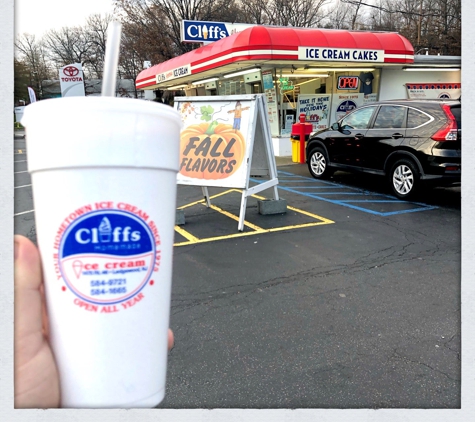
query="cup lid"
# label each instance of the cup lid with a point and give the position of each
(101, 131)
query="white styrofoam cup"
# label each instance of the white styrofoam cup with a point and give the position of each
(104, 188)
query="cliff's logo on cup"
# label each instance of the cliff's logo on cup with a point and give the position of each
(107, 257)
(70, 71)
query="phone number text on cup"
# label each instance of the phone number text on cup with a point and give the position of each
(111, 290)
(111, 282)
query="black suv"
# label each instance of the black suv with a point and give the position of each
(407, 141)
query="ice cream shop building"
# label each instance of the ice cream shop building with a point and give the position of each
(320, 72)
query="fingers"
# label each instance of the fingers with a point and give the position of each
(171, 339)
(28, 297)
(36, 377)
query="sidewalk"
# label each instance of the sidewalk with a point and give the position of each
(284, 161)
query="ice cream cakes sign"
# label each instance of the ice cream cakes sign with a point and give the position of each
(340, 54)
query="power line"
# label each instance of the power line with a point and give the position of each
(384, 9)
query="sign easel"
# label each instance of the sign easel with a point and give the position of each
(224, 142)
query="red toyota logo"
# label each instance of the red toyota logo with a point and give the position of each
(70, 71)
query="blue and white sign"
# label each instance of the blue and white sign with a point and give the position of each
(340, 54)
(206, 32)
(342, 104)
(106, 257)
(346, 106)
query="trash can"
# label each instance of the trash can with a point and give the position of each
(295, 138)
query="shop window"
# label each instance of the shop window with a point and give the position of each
(357, 82)
(232, 87)
(256, 88)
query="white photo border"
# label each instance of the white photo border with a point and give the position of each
(8, 413)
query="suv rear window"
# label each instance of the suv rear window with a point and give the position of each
(390, 117)
(457, 112)
(416, 118)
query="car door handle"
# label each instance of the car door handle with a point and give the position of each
(359, 136)
(397, 135)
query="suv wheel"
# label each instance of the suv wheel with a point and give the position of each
(318, 163)
(404, 178)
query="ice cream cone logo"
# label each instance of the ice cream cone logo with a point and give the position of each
(105, 230)
(77, 267)
(205, 32)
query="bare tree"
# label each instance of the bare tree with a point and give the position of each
(428, 24)
(448, 25)
(69, 45)
(298, 13)
(159, 21)
(254, 11)
(32, 54)
(151, 29)
(339, 16)
(96, 33)
(21, 81)
(355, 11)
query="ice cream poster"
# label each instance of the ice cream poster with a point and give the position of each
(316, 109)
(342, 104)
(214, 141)
(432, 90)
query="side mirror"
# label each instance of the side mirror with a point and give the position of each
(335, 126)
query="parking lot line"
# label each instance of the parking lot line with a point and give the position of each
(324, 190)
(24, 212)
(191, 239)
(318, 187)
(186, 234)
(323, 219)
(236, 218)
(214, 239)
(202, 200)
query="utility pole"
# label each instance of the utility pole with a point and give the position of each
(419, 29)
(379, 14)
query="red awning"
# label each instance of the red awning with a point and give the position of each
(300, 46)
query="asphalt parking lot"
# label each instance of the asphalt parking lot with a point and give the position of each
(351, 299)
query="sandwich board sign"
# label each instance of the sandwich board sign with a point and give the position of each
(224, 141)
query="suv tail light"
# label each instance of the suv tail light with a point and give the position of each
(448, 132)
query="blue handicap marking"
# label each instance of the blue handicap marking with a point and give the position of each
(346, 196)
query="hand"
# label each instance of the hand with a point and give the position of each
(36, 374)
